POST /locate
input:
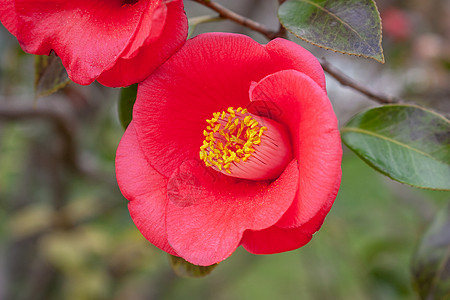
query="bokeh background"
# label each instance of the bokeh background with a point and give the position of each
(65, 231)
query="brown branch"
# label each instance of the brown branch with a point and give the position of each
(232, 16)
(335, 73)
(65, 130)
(282, 32)
(347, 81)
(60, 124)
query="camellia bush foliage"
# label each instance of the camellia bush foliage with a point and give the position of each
(229, 142)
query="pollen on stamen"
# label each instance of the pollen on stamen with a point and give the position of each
(244, 145)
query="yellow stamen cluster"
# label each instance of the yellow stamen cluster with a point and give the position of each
(229, 138)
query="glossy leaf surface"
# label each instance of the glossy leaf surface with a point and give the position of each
(346, 26)
(407, 143)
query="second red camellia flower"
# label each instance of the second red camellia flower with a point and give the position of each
(232, 143)
(117, 42)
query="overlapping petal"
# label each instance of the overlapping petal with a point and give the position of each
(287, 55)
(210, 73)
(144, 188)
(208, 214)
(276, 239)
(91, 37)
(307, 112)
(7, 15)
(154, 51)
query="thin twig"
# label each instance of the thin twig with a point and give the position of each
(195, 21)
(282, 32)
(59, 123)
(347, 81)
(232, 16)
(66, 132)
(335, 73)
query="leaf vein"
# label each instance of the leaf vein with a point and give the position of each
(359, 130)
(339, 19)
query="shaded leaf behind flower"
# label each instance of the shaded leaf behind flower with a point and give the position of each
(50, 75)
(346, 26)
(405, 142)
(186, 269)
(126, 103)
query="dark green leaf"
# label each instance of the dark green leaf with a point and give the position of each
(126, 103)
(346, 26)
(431, 263)
(50, 75)
(186, 269)
(405, 142)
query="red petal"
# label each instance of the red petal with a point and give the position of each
(288, 55)
(207, 213)
(8, 16)
(144, 188)
(89, 36)
(307, 112)
(149, 30)
(275, 239)
(208, 74)
(153, 53)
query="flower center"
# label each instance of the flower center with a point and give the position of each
(240, 144)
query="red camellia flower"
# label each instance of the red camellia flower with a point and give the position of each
(232, 143)
(117, 42)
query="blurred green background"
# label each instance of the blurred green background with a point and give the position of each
(65, 231)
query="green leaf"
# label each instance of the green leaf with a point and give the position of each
(186, 269)
(50, 75)
(126, 103)
(346, 26)
(431, 263)
(405, 142)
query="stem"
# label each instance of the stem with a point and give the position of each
(232, 16)
(66, 132)
(335, 73)
(347, 81)
(194, 22)
(60, 124)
